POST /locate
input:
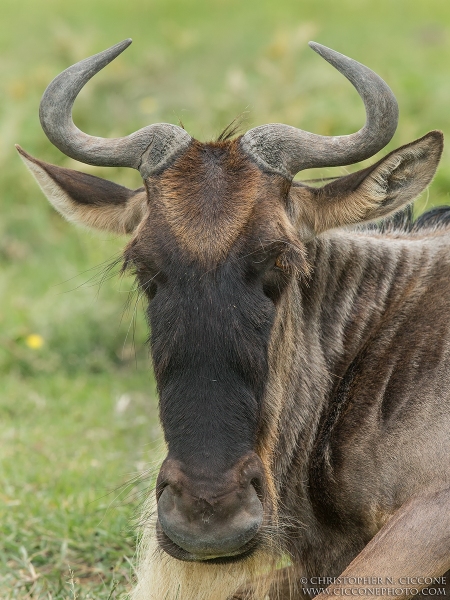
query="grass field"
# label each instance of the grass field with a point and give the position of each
(78, 414)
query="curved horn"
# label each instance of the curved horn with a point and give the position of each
(286, 150)
(147, 150)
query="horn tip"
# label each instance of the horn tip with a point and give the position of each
(314, 45)
(320, 48)
(124, 45)
(114, 51)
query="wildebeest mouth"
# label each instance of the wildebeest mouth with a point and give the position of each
(179, 553)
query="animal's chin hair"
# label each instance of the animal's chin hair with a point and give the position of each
(162, 577)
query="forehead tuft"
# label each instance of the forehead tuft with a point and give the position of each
(207, 198)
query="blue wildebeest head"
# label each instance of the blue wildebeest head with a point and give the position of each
(219, 237)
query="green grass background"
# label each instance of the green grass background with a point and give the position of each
(78, 416)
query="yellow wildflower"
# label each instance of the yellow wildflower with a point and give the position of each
(34, 341)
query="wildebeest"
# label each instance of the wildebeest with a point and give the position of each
(301, 349)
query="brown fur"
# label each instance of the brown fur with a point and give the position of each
(211, 196)
(207, 198)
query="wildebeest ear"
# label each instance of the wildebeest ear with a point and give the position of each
(374, 192)
(88, 200)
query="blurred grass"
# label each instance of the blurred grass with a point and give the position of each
(77, 400)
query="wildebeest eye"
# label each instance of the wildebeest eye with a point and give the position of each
(149, 279)
(153, 282)
(276, 278)
(281, 263)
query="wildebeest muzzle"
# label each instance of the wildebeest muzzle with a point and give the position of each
(210, 517)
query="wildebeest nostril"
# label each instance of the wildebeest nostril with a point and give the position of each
(207, 529)
(258, 485)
